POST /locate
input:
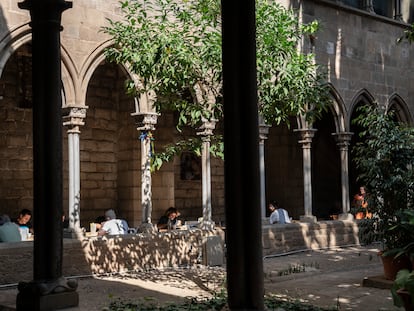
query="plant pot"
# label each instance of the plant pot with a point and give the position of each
(393, 265)
(406, 299)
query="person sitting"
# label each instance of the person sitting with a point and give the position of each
(9, 231)
(169, 219)
(278, 215)
(112, 225)
(24, 219)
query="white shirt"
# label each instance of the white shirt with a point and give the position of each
(275, 218)
(115, 226)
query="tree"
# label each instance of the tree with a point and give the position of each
(385, 159)
(175, 48)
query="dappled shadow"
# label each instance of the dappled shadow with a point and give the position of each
(166, 285)
(328, 278)
(301, 236)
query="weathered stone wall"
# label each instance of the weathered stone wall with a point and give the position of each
(110, 254)
(176, 248)
(296, 236)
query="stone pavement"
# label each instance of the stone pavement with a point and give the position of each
(326, 278)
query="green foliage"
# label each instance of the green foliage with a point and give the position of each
(385, 158)
(408, 35)
(289, 82)
(404, 280)
(174, 47)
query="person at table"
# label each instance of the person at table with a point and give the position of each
(24, 219)
(9, 231)
(169, 219)
(113, 225)
(278, 215)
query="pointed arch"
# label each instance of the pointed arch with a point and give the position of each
(91, 64)
(338, 110)
(69, 80)
(402, 113)
(363, 97)
(14, 39)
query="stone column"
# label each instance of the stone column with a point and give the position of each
(73, 119)
(306, 142)
(343, 139)
(263, 132)
(146, 122)
(206, 130)
(397, 10)
(48, 290)
(367, 5)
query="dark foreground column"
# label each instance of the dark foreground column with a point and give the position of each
(241, 147)
(48, 290)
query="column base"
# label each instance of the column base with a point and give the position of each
(35, 302)
(308, 218)
(46, 296)
(147, 228)
(346, 216)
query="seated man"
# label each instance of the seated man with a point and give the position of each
(9, 231)
(169, 220)
(112, 225)
(278, 215)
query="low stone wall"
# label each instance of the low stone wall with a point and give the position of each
(175, 248)
(97, 255)
(300, 235)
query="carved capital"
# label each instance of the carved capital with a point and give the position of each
(343, 139)
(145, 120)
(263, 131)
(73, 118)
(306, 136)
(207, 128)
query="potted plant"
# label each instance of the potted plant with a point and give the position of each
(403, 290)
(384, 158)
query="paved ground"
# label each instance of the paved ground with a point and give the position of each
(328, 278)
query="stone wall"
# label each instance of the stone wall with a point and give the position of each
(177, 248)
(111, 254)
(297, 236)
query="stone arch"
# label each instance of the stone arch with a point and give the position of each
(16, 38)
(363, 97)
(91, 64)
(338, 110)
(69, 80)
(326, 160)
(399, 106)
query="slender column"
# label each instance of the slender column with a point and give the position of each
(368, 6)
(306, 142)
(73, 119)
(49, 290)
(147, 123)
(343, 139)
(206, 132)
(263, 132)
(241, 166)
(397, 10)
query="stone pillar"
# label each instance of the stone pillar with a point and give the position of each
(146, 122)
(48, 290)
(306, 142)
(343, 139)
(206, 130)
(241, 164)
(263, 132)
(367, 5)
(73, 120)
(397, 10)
